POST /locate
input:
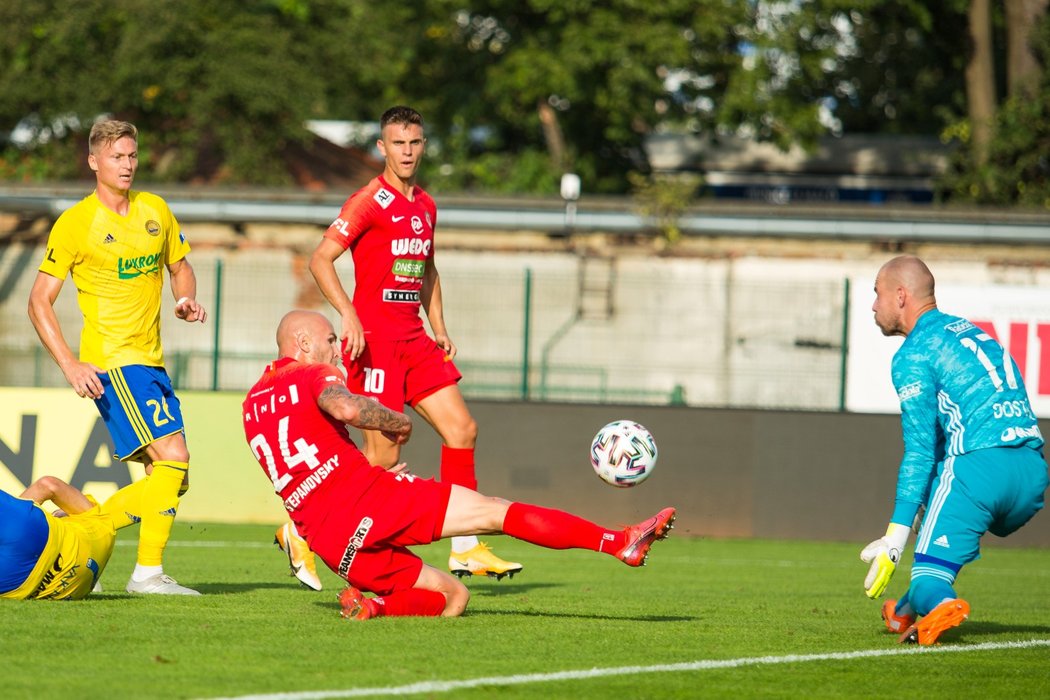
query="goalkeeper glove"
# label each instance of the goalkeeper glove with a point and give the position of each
(883, 555)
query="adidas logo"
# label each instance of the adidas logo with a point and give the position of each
(109, 239)
(941, 541)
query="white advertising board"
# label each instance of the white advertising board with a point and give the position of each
(1018, 317)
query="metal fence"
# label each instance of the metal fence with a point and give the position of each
(571, 327)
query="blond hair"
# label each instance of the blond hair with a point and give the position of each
(107, 131)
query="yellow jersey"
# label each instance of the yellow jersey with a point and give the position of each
(78, 549)
(115, 262)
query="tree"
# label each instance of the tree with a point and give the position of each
(218, 89)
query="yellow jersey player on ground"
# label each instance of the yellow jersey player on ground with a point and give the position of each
(59, 556)
(114, 244)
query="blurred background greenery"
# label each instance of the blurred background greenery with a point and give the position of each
(517, 92)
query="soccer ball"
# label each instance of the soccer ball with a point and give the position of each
(623, 453)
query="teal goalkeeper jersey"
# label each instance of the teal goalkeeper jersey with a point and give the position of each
(959, 391)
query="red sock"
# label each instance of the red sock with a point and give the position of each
(457, 466)
(417, 602)
(556, 529)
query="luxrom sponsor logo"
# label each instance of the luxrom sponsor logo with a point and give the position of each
(401, 296)
(409, 246)
(130, 268)
(355, 543)
(409, 268)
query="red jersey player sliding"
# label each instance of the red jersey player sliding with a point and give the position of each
(360, 519)
(388, 227)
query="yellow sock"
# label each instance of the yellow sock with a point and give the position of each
(125, 506)
(160, 501)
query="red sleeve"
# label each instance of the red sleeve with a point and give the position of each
(355, 218)
(320, 377)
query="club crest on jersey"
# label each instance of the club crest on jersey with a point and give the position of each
(383, 197)
(152, 227)
(417, 225)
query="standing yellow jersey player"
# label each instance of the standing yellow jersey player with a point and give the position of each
(114, 244)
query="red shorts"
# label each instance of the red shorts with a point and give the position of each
(396, 372)
(367, 542)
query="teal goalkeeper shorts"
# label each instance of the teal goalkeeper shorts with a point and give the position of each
(994, 490)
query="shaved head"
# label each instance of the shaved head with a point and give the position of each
(903, 292)
(307, 336)
(910, 272)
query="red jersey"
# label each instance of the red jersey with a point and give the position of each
(298, 445)
(391, 239)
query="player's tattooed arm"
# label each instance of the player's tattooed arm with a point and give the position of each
(365, 413)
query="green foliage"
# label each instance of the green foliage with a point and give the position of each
(528, 172)
(664, 198)
(221, 90)
(1017, 171)
(699, 601)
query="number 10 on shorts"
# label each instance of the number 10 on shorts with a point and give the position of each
(375, 379)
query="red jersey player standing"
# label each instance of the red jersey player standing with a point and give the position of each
(361, 519)
(388, 226)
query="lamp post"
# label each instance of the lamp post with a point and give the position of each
(570, 192)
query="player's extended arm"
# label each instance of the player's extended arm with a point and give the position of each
(51, 488)
(433, 303)
(184, 287)
(82, 376)
(322, 267)
(365, 413)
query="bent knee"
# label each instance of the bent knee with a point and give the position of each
(456, 599)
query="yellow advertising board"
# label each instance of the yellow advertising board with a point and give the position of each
(55, 432)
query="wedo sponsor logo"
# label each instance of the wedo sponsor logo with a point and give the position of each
(410, 246)
(409, 268)
(130, 268)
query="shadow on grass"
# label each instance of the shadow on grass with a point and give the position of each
(327, 605)
(972, 630)
(118, 593)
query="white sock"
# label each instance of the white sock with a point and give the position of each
(464, 542)
(141, 573)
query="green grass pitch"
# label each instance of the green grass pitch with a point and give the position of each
(706, 618)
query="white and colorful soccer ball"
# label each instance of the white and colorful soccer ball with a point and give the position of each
(623, 453)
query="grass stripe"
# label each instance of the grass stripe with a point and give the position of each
(702, 665)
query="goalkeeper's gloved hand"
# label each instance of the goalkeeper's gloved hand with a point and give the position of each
(883, 555)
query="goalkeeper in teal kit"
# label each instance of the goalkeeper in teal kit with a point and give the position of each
(972, 452)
